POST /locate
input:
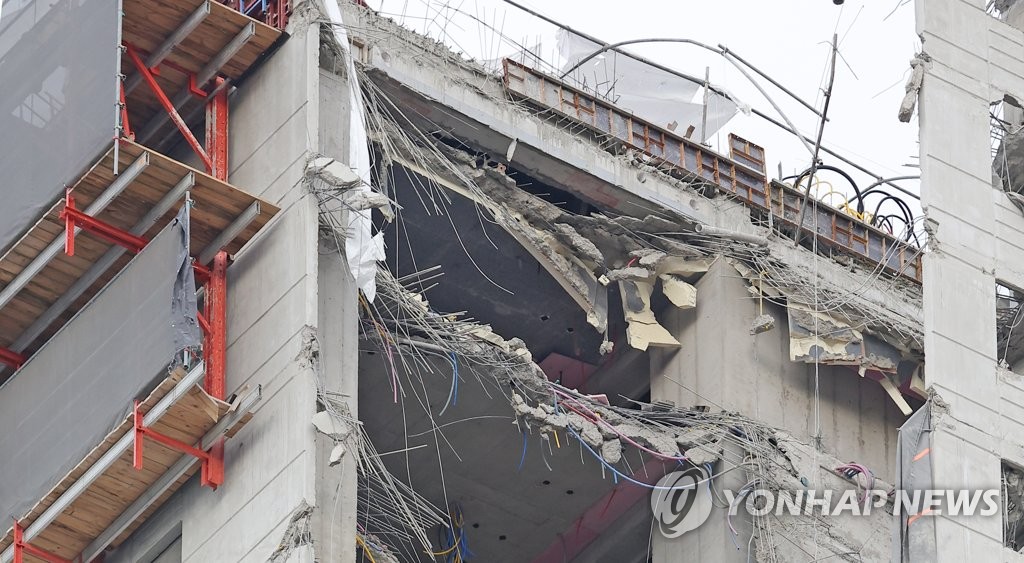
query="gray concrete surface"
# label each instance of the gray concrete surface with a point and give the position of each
(976, 238)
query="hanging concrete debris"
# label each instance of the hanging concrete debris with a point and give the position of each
(913, 86)
(643, 330)
(762, 323)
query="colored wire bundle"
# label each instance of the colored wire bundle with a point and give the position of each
(851, 470)
(455, 548)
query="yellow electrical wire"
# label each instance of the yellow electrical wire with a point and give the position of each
(457, 521)
(445, 552)
(845, 207)
(366, 549)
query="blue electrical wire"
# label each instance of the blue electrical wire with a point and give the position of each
(623, 475)
(523, 459)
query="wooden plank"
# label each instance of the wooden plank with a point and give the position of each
(190, 418)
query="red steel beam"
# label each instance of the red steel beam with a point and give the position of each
(12, 358)
(217, 131)
(21, 548)
(74, 218)
(215, 347)
(147, 76)
(142, 432)
(215, 314)
(126, 128)
(216, 300)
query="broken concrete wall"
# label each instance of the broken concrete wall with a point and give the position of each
(463, 100)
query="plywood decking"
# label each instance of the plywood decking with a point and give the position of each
(147, 24)
(216, 205)
(188, 420)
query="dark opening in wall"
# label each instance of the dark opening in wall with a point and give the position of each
(1006, 134)
(999, 9)
(1012, 498)
(1009, 321)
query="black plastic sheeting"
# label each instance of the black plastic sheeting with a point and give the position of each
(917, 542)
(82, 383)
(58, 63)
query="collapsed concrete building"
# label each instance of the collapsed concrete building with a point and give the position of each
(334, 292)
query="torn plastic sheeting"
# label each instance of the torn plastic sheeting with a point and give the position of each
(184, 307)
(362, 248)
(914, 473)
(651, 93)
(643, 329)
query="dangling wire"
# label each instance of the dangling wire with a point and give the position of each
(455, 546)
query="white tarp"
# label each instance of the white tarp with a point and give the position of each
(652, 94)
(362, 248)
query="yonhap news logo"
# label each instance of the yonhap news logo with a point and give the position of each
(681, 501)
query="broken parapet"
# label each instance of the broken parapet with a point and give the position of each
(640, 253)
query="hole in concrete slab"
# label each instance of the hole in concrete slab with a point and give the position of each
(570, 329)
(476, 524)
(502, 538)
(371, 353)
(544, 317)
(545, 482)
(569, 492)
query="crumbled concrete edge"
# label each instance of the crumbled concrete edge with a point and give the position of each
(297, 534)
(334, 182)
(701, 445)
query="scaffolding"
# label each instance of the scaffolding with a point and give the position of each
(189, 54)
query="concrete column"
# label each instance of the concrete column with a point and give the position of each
(709, 370)
(722, 366)
(337, 335)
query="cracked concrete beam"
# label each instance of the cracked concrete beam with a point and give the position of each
(643, 329)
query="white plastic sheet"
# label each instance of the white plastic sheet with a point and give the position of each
(362, 248)
(650, 93)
